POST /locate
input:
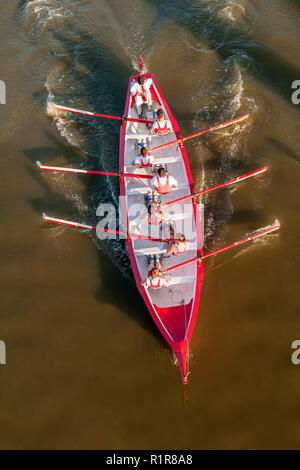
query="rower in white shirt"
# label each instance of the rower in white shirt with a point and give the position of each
(178, 245)
(141, 94)
(162, 182)
(155, 278)
(144, 160)
(162, 126)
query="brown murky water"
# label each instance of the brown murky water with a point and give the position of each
(86, 367)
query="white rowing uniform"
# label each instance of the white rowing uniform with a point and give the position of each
(136, 89)
(180, 248)
(161, 127)
(156, 283)
(144, 162)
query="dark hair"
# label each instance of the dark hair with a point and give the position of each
(160, 113)
(141, 79)
(180, 237)
(161, 172)
(142, 149)
(151, 209)
(154, 272)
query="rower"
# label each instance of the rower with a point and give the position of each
(162, 182)
(162, 126)
(144, 160)
(141, 94)
(154, 216)
(178, 246)
(155, 278)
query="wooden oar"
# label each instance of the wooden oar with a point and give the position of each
(180, 141)
(92, 172)
(220, 250)
(106, 116)
(235, 180)
(101, 229)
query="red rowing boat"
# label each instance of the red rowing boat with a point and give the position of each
(174, 309)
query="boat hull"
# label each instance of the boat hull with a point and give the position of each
(175, 322)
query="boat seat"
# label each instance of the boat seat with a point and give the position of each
(139, 136)
(188, 215)
(157, 251)
(160, 160)
(147, 189)
(171, 217)
(149, 251)
(167, 159)
(180, 279)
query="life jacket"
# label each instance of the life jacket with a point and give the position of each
(179, 251)
(145, 165)
(155, 218)
(163, 188)
(159, 283)
(162, 130)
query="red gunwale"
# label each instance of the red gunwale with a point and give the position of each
(179, 347)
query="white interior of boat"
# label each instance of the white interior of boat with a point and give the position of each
(182, 282)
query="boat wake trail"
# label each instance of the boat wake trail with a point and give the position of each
(225, 150)
(77, 72)
(231, 11)
(41, 15)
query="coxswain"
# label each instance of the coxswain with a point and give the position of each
(162, 126)
(144, 160)
(155, 278)
(141, 94)
(178, 246)
(162, 182)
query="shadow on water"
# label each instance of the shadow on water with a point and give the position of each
(104, 72)
(284, 148)
(125, 297)
(227, 40)
(295, 2)
(252, 217)
(46, 154)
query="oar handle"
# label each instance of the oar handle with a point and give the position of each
(129, 236)
(106, 116)
(92, 172)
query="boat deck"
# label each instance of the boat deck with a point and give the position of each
(182, 283)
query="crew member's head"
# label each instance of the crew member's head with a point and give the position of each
(151, 209)
(160, 115)
(144, 151)
(180, 237)
(154, 273)
(161, 172)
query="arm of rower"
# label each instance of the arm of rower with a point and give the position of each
(170, 250)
